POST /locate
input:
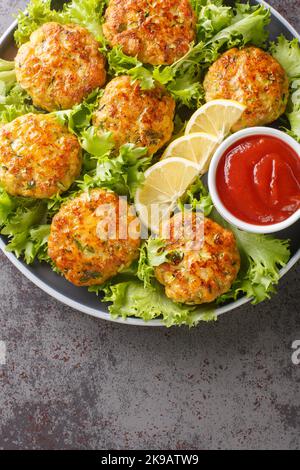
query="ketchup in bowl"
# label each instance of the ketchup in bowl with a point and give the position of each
(258, 180)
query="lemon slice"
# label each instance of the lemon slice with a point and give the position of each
(216, 118)
(198, 148)
(165, 182)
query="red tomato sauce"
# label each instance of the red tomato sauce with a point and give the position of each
(258, 180)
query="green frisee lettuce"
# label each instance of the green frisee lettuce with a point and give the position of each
(23, 221)
(288, 55)
(85, 13)
(14, 101)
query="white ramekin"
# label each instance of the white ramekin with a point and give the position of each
(213, 186)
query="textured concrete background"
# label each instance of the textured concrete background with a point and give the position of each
(75, 382)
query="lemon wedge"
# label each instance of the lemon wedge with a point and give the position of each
(216, 117)
(198, 147)
(165, 182)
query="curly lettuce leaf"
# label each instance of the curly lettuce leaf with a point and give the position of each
(184, 83)
(186, 88)
(22, 221)
(288, 55)
(6, 66)
(96, 144)
(266, 255)
(85, 13)
(37, 246)
(89, 14)
(132, 299)
(123, 173)
(183, 80)
(212, 16)
(7, 77)
(197, 198)
(79, 117)
(248, 26)
(14, 103)
(37, 13)
(293, 113)
(7, 206)
(122, 64)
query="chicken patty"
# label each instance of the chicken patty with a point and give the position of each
(141, 117)
(253, 78)
(199, 269)
(60, 66)
(38, 156)
(93, 237)
(158, 32)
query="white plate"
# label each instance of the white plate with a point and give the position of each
(79, 298)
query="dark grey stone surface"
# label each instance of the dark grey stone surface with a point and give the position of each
(75, 382)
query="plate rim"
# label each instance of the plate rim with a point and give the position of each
(99, 313)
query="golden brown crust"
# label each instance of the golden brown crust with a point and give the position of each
(83, 244)
(141, 117)
(38, 156)
(253, 78)
(199, 270)
(156, 31)
(60, 66)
